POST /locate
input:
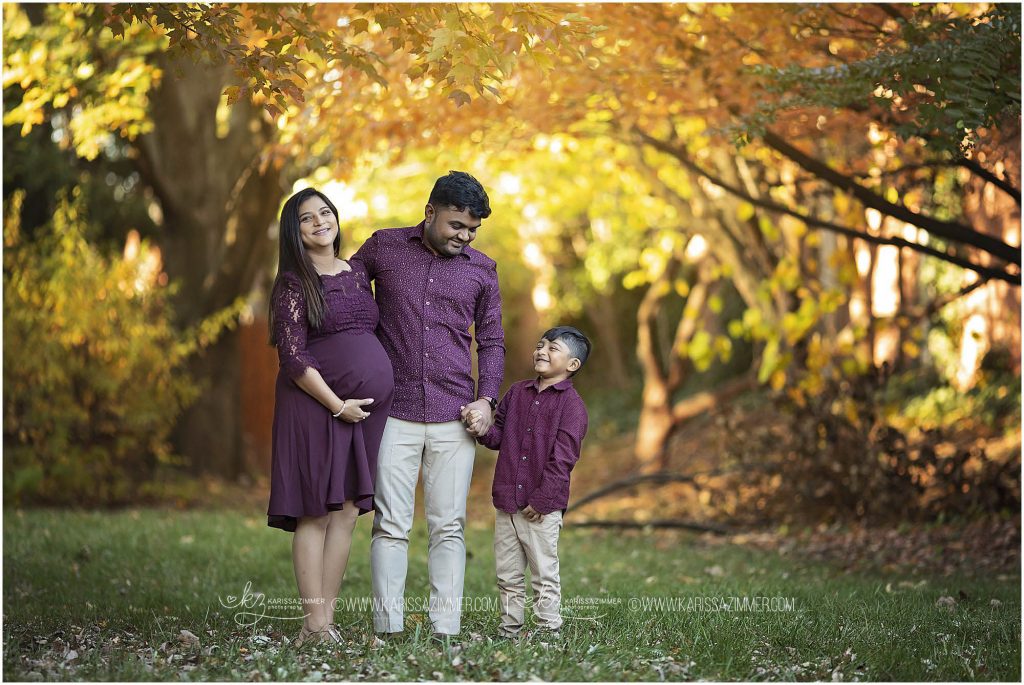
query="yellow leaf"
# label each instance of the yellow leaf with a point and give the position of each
(745, 211)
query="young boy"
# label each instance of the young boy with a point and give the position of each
(538, 430)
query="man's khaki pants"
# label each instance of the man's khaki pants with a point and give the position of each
(518, 543)
(446, 452)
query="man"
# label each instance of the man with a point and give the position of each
(431, 286)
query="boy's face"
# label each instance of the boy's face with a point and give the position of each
(552, 358)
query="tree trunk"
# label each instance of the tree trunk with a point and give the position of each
(602, 316)
(652, 433)
(869, 280)
(656, 422)
(210, 432)
(218, 196)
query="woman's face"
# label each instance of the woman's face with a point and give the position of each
(317, 224)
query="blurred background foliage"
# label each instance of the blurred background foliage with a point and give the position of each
(792, 233)
(94, 372)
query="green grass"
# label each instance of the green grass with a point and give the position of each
(119, 587)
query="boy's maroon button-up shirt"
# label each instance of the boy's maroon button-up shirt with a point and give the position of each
(538, 436)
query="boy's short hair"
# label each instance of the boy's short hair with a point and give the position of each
(460, 190)
(578, 344)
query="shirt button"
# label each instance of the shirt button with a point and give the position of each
(520, 487)
(431, 280)
(536, 401)
(428, 303)
(529, 430)
(428, 328)
(426, 354)
(524, 458)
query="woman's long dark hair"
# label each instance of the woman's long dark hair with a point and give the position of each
(292, 257)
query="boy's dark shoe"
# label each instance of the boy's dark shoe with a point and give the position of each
(508, 636)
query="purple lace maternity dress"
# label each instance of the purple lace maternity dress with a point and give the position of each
(320, 462)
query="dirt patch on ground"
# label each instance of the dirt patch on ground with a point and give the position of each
(982, 547)
(985, 545)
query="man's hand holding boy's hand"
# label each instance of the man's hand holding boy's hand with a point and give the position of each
(478, 417)
(532, 515)
(474, 422)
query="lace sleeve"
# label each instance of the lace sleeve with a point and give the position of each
(291, 326)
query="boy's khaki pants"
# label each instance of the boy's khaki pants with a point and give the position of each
(518, 543)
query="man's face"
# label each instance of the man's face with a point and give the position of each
(447, 230)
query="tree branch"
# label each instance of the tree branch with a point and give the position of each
(660, 478)
(653, 373)
(689, 407)
(891, 11)
(972, 165)
(990, 177)
(945, 229)
(686, 328)
(935, 305)
(853, 17)
(683, 158)
(657, 523)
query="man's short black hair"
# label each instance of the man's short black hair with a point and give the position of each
(460, 190)
(578, 344)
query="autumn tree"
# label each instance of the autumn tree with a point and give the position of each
(792, 141)
(221, 108)
(861, 156)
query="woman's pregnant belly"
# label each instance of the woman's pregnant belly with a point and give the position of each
(355, 366)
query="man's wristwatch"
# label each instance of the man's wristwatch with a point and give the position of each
(491, 401)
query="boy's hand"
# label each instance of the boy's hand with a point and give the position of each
(483, 408)
(474, 421)
(532, 515)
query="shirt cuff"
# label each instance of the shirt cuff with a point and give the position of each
(490, 438)
(489, 388)
(543, 505)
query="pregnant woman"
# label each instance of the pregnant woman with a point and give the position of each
(332, 398)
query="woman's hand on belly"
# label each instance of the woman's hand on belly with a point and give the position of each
(352, 411)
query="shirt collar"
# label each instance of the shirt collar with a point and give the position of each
(559, 386)
(417, 234)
